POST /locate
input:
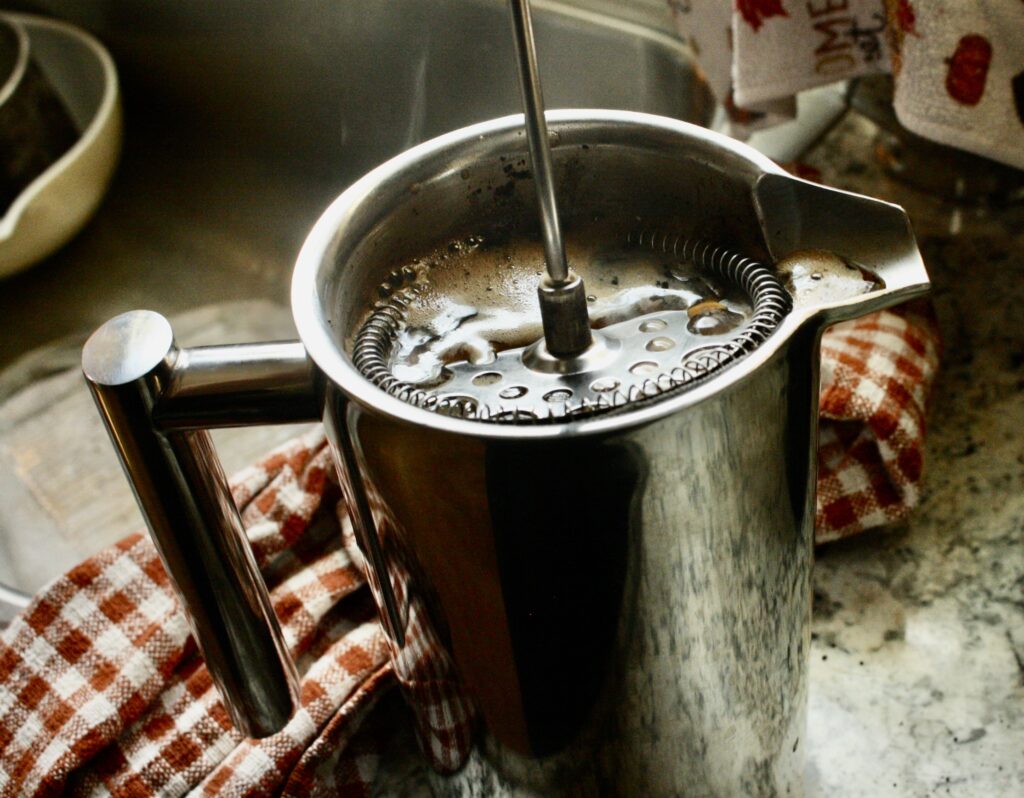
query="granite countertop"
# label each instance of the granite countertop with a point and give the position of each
(917, 658)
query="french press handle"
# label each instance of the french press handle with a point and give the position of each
(158, 402)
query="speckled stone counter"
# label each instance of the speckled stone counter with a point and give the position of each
(917, 658)
(917, 670)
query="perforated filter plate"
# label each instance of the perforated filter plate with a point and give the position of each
(707, 309)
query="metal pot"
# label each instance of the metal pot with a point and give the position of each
(626, 597)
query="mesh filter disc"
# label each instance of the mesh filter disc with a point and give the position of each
(641, 358)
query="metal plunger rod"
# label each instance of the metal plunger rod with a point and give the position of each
(563, 301)
(537, 134)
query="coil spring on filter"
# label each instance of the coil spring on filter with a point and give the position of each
(770, 300)
(372, 353)
(375, 340)
(373, 346)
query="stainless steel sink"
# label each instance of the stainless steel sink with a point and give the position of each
(243, 122)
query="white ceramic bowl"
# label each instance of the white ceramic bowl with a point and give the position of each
(56, 205)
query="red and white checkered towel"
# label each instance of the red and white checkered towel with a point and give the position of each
(876, 374)
(102, 692)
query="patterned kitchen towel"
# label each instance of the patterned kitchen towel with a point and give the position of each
(959, 66)
(102, 692)
(876, 375)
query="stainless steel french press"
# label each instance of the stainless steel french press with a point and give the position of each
(624, 588)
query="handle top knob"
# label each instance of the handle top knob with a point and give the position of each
(127, 348)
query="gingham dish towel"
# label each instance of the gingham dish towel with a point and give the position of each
(958, 64)
(102, 692)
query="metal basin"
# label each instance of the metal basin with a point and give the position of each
(242, 123)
